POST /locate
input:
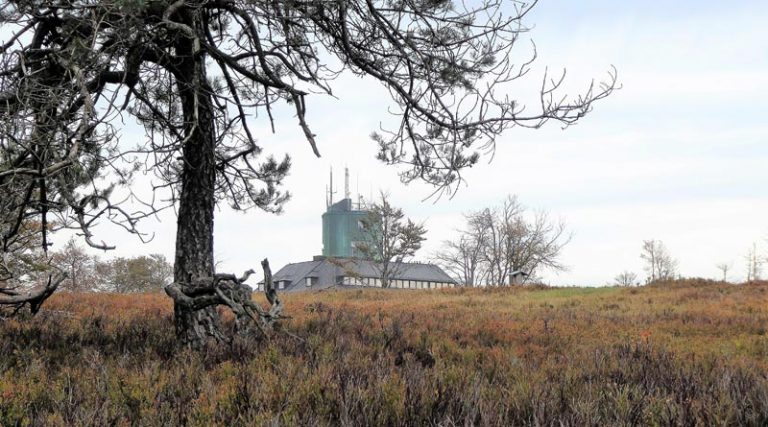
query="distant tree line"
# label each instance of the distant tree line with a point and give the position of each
(87, 272)
(660, 266)
(505, 244)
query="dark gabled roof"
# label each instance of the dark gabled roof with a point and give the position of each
(403, 271)
(328, 271)
(323, 273)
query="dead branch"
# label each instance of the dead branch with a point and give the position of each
(231, 291)
(33, 297)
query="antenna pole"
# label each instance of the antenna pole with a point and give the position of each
(346, 182)
(357, 192)
(330, 191)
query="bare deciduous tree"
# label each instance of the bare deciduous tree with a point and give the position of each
(754, 264)
(724, 267)
(78, 264)
(462, 259)
(508, 239)
(626, 278)
(517, 243)
(659, 263)
(389, 239)
(194, 73)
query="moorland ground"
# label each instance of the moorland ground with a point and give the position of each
(690, 352)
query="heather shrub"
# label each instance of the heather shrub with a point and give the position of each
(687, 354)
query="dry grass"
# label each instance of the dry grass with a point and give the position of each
(684, 353)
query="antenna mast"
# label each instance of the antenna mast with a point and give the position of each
(357, 191)
(346, 182)
(329, 200)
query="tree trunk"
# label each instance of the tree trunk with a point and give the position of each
(194, 235)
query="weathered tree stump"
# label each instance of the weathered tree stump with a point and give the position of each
(193, 299)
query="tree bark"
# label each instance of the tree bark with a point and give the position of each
(194, 238)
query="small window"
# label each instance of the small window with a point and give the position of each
(309, 281)
(281, 284)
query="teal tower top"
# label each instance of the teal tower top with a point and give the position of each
(342, 229)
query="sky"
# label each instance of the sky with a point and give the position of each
(679, 154)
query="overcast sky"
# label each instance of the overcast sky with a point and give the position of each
(679, 154)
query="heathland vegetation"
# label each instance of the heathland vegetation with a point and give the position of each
(674, 353)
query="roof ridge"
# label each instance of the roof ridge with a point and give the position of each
(319, 263)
